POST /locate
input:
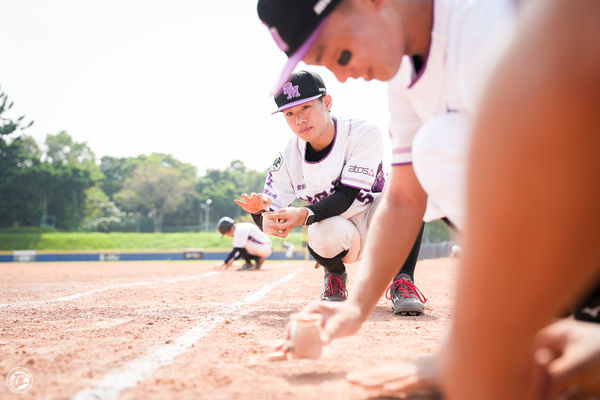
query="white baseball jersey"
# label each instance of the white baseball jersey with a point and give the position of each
(355, 160)
(245, 231)
(467, 39)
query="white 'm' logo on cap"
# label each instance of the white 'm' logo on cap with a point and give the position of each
(291, 91)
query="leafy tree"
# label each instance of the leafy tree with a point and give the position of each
(101, 214)
(9, 125)
(116, 171)
(13, 156)
(155, 189)
(224, 186)
(30, 188)
(31, 150)
(187, 171)
(68, 200)
(57, 190)
(61, 149)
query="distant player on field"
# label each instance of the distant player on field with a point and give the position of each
(335, 164)
(249, 244)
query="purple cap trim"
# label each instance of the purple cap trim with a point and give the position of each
(296, 103)
(295, 58)
(280, 42)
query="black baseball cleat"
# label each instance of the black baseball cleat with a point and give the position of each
(335, 287)
(406, 298)
(246, 267)
(259, 263)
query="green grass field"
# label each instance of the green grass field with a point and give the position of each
(16, 240)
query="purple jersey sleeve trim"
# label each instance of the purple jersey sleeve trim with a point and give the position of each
(353, 186)
(364, 185)
(253, 239)
(404, 163)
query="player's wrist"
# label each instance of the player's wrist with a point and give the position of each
(308, 216)
(362, 309)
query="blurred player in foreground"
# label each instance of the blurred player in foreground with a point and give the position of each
(335, 164)
(534, 155)
(249, 243)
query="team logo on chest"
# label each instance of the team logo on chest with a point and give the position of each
(277, 163)
(291, 90)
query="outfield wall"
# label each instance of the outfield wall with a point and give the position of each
(428, 250)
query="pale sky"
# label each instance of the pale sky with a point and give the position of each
(189, 78)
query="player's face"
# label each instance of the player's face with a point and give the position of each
(357, 43)
(309, 120)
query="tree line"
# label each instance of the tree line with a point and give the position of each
(65, 186)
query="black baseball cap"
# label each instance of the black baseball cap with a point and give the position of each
(295, 25)
(302, 87)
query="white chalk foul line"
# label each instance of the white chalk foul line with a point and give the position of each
(111, 287)
(141, 369)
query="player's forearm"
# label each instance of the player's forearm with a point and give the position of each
(392, 232)
(232, 255)
(335, 204)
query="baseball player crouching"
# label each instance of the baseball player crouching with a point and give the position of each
(335, 164)
(249, 243)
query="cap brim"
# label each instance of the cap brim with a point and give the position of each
(296, 103)
(295, 58)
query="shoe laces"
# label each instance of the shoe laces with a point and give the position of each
(335, 286)
(406, 288)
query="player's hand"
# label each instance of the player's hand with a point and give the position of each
(339, 320)
(570, 351)
(282, 221)
(400, 378)
(254, 203)
(222, 266)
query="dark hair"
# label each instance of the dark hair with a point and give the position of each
(225, 225)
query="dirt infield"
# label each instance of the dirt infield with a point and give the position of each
(180, 330)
